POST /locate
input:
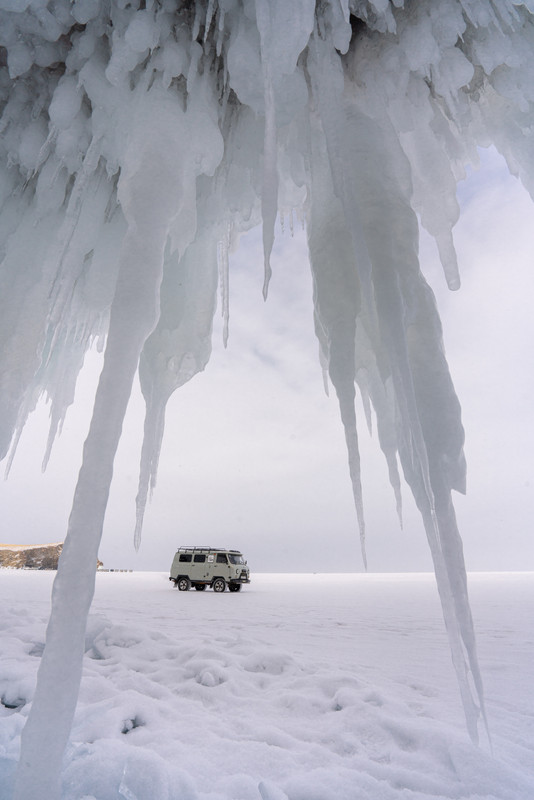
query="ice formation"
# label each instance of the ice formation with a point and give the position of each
(140, 139)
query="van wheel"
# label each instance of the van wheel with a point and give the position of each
(200, 587)
(234, 587)
(183, 584)
(218, 585)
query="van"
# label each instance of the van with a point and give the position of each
(209, 566)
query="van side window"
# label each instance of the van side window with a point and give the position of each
(199, 558)
(185, 557)
(221, 558)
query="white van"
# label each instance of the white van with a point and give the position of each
(209, 566)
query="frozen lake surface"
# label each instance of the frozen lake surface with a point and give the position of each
(307, 687)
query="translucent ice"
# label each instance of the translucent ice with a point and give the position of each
(139, 140)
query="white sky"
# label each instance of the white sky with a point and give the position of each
(254, 455)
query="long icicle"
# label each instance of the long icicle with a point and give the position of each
(133, 316)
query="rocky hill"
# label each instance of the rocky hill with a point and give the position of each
(30, 556)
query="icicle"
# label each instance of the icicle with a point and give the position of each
(133, 315)
(220, 33)
(177, 350)
(63, 379)
(447, 254)
(67, 273)
(383, 399)
(199, 11)
(327, 82)
(152, 440)
(270, 184)
(192, 72)
(337, 302)
(346, 397)
(224, 280)
(366, 403)
(269, 195)
(24, 413)
(209, 16)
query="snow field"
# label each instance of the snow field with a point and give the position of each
(307, 687)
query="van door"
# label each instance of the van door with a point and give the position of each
(213, 569)
(199, 571)
(223, 566)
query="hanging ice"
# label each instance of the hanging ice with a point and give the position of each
(139, 139)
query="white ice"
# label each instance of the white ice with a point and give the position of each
(301, 687)
(141, 139)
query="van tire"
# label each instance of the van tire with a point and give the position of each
(234, 587)
(200, 587)
(218, 585)
(183, 584)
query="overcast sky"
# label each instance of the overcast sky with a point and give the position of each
(254, 456)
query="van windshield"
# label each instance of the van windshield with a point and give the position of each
(236, 558)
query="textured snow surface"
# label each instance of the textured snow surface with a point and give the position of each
(301, 687)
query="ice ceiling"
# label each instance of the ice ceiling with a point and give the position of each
(140, 139)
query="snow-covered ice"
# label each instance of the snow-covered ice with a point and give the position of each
(301, 687)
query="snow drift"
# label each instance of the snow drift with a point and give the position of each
(140, 139)
(224, 700)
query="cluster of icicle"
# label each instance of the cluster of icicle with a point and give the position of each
(138, 140)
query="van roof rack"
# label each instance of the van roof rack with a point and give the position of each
(212, 549)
